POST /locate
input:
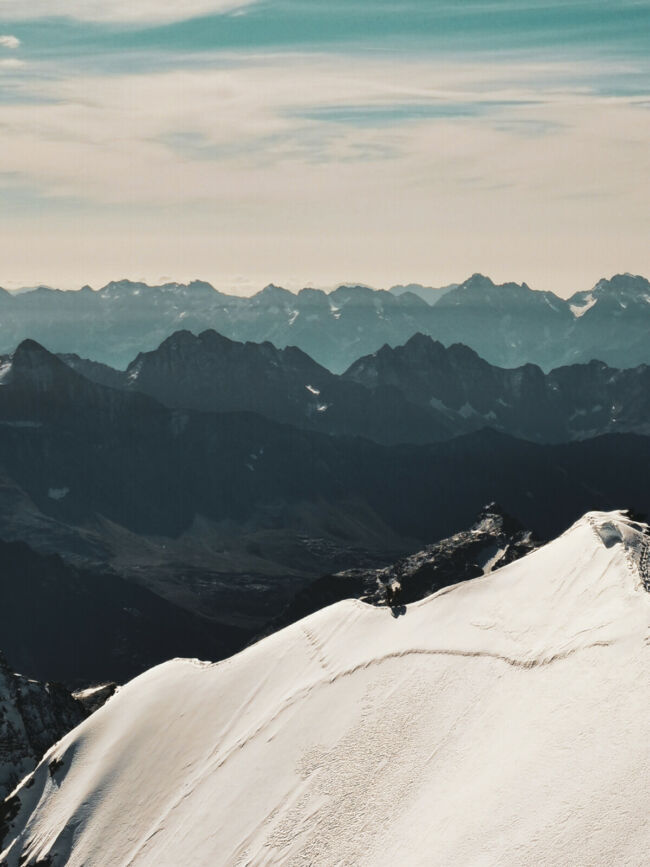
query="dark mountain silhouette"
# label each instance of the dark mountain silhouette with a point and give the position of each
(64, 623)
(417, 393)
(125, 456)
(568, 403)
(214, 374)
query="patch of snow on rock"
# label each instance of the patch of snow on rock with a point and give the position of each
(579, 310)
(58, 493)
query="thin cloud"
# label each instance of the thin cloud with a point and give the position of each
(117, 11)
(7, 41)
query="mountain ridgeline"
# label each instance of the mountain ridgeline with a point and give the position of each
(503, 720)
(508, 325)
(420, 392)
(75, 450)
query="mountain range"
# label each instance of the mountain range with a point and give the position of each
(420, 392)
(508, 325)
(229, 514)
(502, 719)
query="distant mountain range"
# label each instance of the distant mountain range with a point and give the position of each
(420, 392)
(183, 500)
(508, 325)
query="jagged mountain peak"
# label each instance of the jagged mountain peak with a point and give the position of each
(31, 359)
(273, 293)
(623, 295)
(507, 297)
(625, 282)
(478, 281)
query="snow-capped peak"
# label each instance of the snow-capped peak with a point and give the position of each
(499, 721)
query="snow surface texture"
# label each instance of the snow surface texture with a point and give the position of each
(500, 721)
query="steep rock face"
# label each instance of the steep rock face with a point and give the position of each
(612, 308)
(33, 716)
(499, 721)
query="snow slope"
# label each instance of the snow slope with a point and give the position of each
(501, 721)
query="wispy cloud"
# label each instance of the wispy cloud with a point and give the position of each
(314, 139)
(128, 11)
(7, 41)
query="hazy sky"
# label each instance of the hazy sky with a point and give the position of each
(310, 142)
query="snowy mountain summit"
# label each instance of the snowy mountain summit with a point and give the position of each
(500, 721)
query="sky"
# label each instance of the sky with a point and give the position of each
(309, 143)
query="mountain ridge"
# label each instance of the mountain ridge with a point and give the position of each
(414, 766)
(419, 392)
(509, 324)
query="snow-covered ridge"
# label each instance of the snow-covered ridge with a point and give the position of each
(499, 721)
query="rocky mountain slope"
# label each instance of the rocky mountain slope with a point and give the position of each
(492, 541)
(508, 325)
(211, 373)
(500, 721)
(573, 402)
(184, 501)
(417, 393)
(33, 716)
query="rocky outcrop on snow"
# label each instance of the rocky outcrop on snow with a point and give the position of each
(33, 716)
(494, 540)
